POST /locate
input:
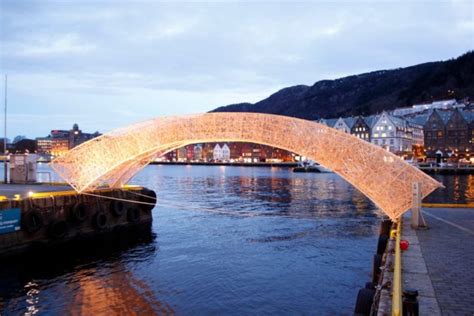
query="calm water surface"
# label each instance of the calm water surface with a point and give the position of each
(224, 240)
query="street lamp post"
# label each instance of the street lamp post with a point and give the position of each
(5, 169)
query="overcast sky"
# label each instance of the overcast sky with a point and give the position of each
(106, 64)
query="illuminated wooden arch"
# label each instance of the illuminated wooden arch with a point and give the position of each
(114, 158)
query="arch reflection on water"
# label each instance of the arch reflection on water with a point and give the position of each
(89, 277)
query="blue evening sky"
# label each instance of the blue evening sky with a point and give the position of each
(106, 64)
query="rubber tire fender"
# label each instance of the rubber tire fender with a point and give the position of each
(79, 212)
(382, 244)
(365, 299)
(57, 229)
(149, 198)
(385, 227)
(32, 221)
(376, 264)
(133, 214)
(117, 208)
(100, 220)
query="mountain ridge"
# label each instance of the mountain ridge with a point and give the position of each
(371, 92)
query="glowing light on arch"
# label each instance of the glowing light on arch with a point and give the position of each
(114, 158)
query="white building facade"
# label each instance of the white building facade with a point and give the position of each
(342, 125)
(395, 134)
(217, 153)
(225, 152)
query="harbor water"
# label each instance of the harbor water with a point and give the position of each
(224, 240)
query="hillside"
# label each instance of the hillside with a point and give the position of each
(370, 93)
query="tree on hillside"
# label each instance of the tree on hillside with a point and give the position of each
(18, 138)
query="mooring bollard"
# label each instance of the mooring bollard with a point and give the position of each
(410, 303)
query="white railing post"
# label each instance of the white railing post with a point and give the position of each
(417, 220)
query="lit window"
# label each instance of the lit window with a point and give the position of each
(384, 135)
(389, 127)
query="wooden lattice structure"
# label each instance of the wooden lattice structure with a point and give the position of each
(114, 158)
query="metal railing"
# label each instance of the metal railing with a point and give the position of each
(397, 305)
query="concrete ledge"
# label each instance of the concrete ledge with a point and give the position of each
(415, 273)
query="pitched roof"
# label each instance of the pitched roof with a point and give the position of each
(419, 119)
(350, 121)
(468, 116)
(331, 122)
(371, 120)
(445, 115)
(397, 120)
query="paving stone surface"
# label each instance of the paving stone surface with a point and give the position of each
(448, 250)
(415, 273)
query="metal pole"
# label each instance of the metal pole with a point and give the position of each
(5, 169)
(417, 220)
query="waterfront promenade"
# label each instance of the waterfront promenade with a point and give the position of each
(439, 261)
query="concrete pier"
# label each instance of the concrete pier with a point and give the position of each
(438, 263)
(39, 215)
(447, 248)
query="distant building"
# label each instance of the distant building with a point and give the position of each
(217, 153)
(396, 134)
(207, 151)
(189, 152)
(77, 137)
(59, 146)
(64, 140)
(450, 133)
(44, 145)
(418, 108)
(225, 153)
(182, 154)
(24, 146)
(232, 152)
(197, 154)
(361, 129)
(343, 125)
